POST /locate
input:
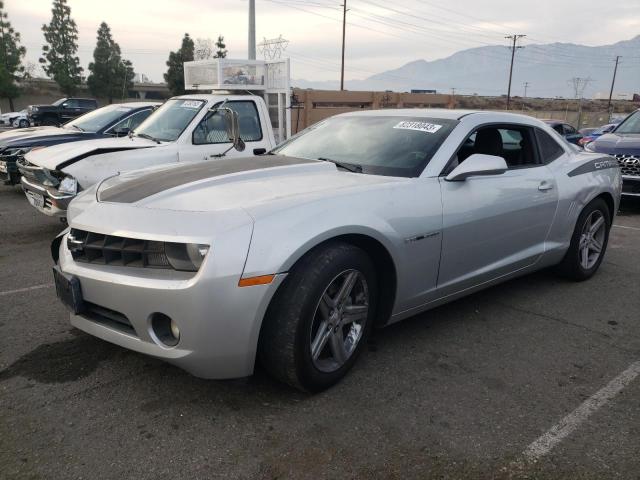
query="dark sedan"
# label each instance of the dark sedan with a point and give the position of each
(110, 121)
(567, 131)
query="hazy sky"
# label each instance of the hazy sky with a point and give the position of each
(381, 35)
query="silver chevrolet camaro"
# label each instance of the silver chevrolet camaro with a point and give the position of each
(359, 221)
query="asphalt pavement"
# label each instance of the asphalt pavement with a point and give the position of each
(534, 378)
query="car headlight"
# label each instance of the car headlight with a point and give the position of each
(68, 185)
(186, 256)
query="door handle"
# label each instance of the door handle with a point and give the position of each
(544, 185)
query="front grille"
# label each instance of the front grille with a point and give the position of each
(629, 164)
(107, 317)
(90, 247)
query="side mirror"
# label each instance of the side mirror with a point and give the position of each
(233, 128)
(121, 132)
(478, 165)
(65, 105)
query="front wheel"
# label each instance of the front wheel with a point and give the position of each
(320, 318)
(23, 123)
(588, 243)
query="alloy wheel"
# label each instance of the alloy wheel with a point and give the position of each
(339, 321)
(592, 239)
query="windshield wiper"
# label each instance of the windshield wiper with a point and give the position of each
(148, 137)
(75, 126)
(346, 166)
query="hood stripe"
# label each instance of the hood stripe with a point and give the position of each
(98, 151)
(155, 182)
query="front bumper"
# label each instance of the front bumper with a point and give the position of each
(219, 322)
(9, 174)
(630, 186)
(46, 199)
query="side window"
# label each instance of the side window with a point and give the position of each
(558, 128)
(87, 104)
(513, 143)
(211, 128)
(133, 121)
(72, 103)
(569, 130)
(549, 148)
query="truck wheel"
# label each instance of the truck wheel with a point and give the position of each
(319, 320)
(588, 243)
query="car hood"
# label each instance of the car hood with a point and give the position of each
(24, 137)
(59, 156)
(617, 143)
(234, 183)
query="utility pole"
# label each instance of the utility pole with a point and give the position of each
(344, 29)
(613, 82)
(515, 37)
(252, 29)
(526, 87)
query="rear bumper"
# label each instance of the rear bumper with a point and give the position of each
(54, 203)
(630, 186)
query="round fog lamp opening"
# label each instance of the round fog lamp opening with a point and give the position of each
(165, 329)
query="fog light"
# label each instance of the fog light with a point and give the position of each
(165, 329)
(175, 331)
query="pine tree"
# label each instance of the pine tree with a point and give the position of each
(111, 76)
(59, 57)
(220, 45)
(175, 73)
(11, 54)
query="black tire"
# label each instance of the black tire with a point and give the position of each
(284, 348)
(23, 123)
(571, 266)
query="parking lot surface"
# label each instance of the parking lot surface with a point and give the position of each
(462, 391)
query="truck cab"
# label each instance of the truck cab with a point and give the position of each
(187, 128)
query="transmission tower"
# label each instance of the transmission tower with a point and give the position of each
(271, 49)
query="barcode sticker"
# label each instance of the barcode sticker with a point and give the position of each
(419, 126)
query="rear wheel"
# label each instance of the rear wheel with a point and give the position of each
(588, 243)
(318, 322)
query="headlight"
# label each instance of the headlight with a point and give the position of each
(68, 185)
(186, 256)
(589, 147)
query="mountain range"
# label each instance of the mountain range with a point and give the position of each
(548, 68)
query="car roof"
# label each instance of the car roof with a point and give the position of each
(443, 113)
(136, 104)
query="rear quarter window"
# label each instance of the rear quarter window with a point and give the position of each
(550, 150)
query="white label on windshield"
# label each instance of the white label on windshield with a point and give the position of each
(419, 126)
(191, 104)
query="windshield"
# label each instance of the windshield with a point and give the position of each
(630, 125)
(170, 120)
(100, 118)
(57, 103)
(380, 145)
